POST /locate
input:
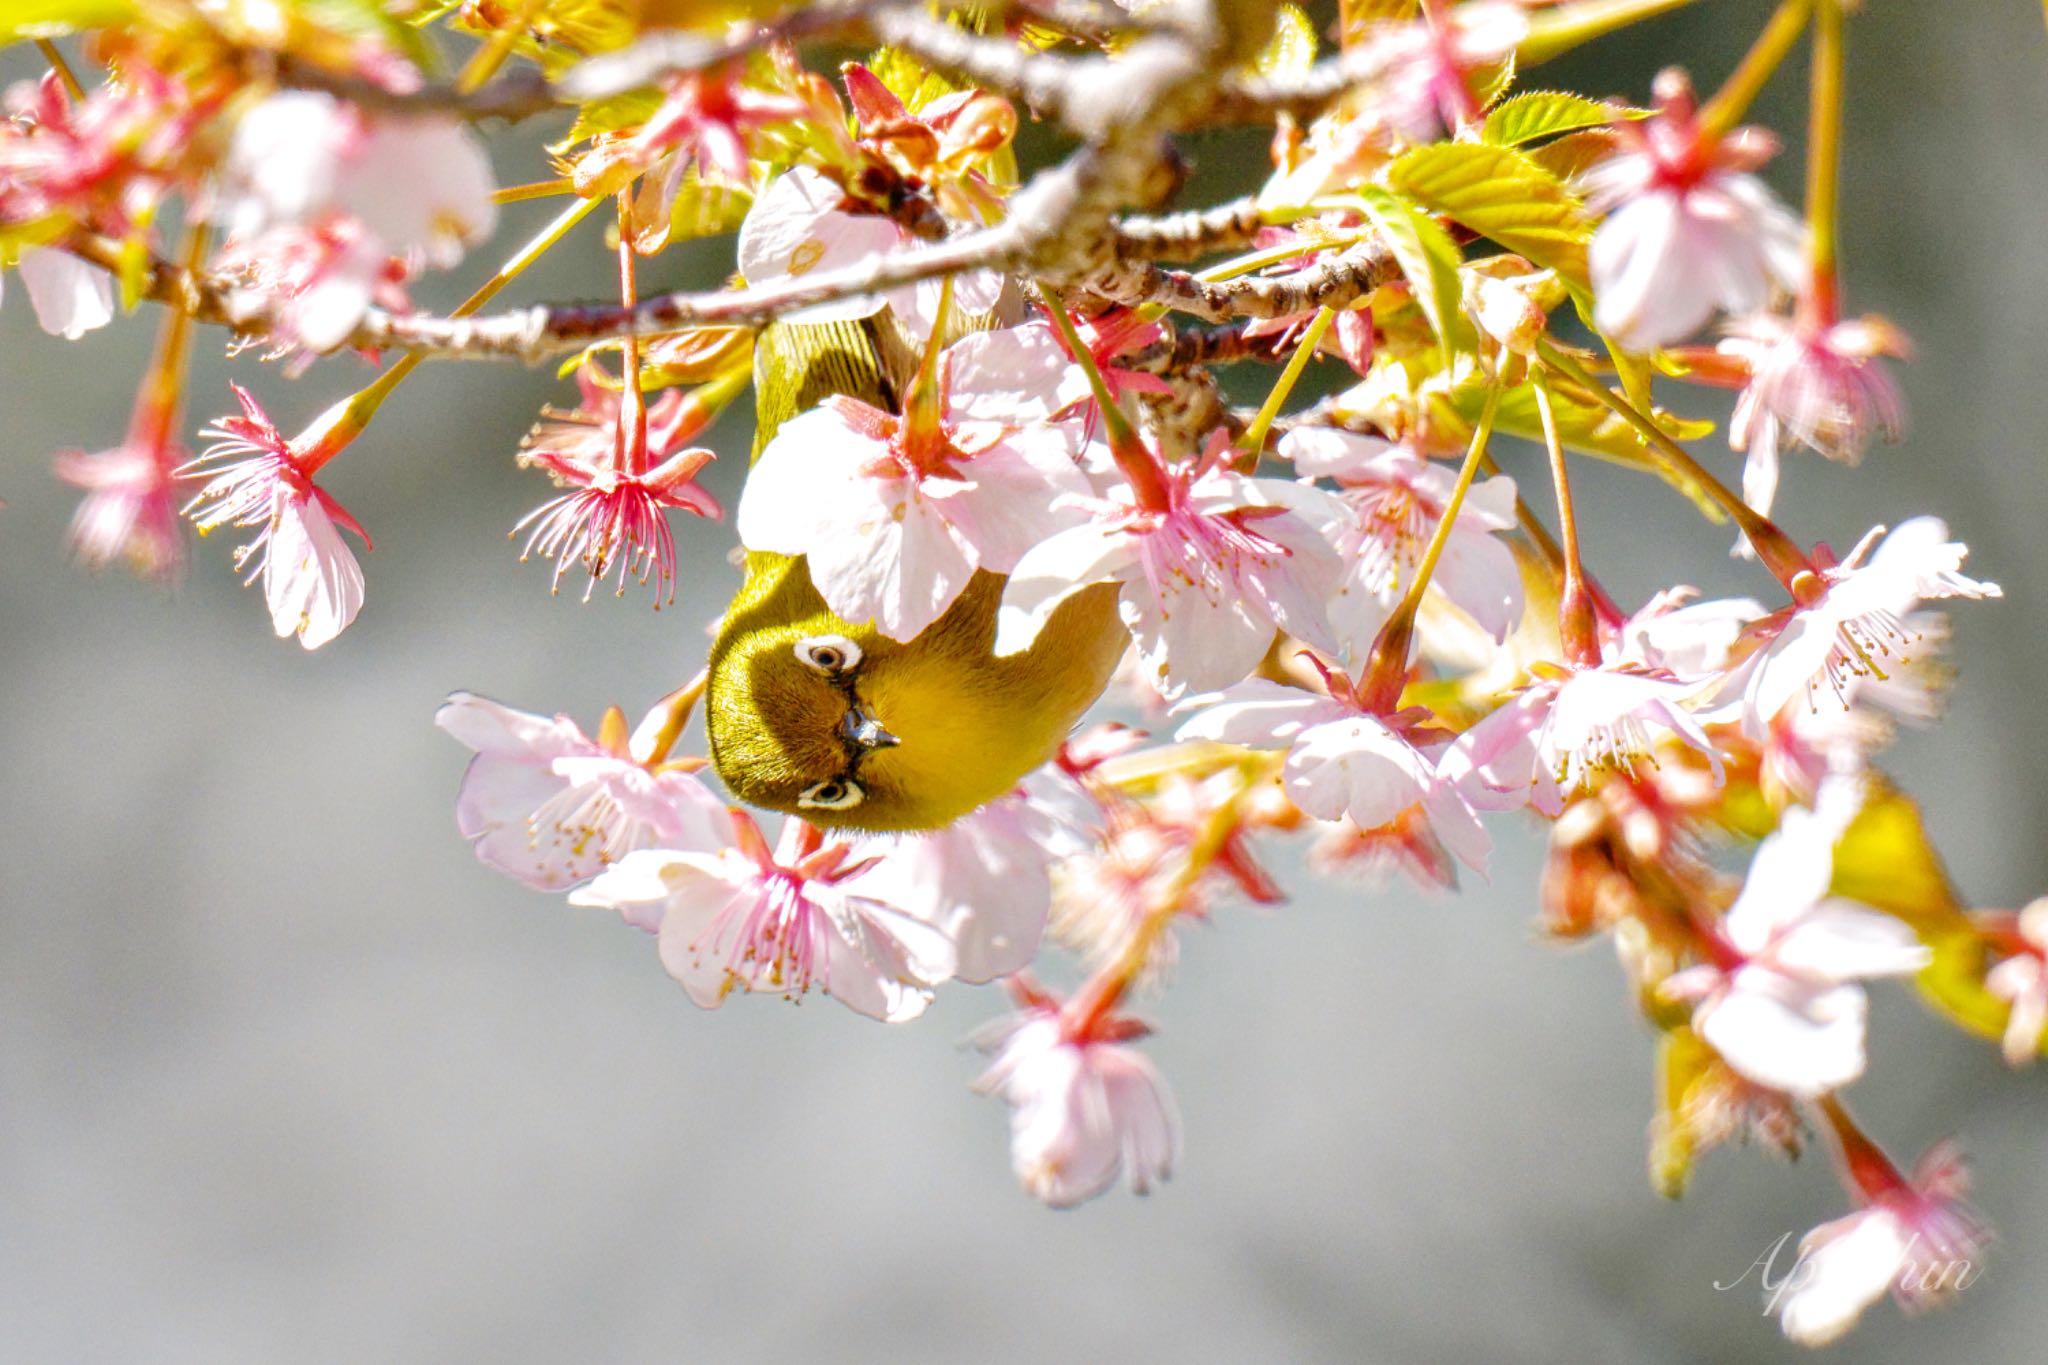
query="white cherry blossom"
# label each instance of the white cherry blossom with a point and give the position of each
(1785, 1010)
(1393, 500)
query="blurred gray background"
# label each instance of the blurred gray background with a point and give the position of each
(286, 1075)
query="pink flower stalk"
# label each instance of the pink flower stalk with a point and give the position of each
(895, 514)
(1393, 499)
(705, 120)
(801, 225)
(68, 297)
(2021, 980)
(255, 477)
(1820, 387)
(1207, 575)
(547, 804)
(1859, 623)
(750, 919)
(614, 511)
(1782, 1006)
(1568, 725)
(1343, 762)
(1688, 228)
(1083, 1109)
(130, 508)
(1917, 1238)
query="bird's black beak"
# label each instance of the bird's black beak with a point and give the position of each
(864, 732)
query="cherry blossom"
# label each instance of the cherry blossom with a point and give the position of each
(1082, 1109)
(801, 224)
(130, 508)
(1858, 624)
(895, 514)
(1393, 500)
(1688, 229)
(985, 881)
(414, 184)
(704, 122)
(1917, 1238)
(1820, 387)
(69, 297)
(2021, 980)
(1025, 373)
(749, 919)
(1343, 762)
(255, 477)
(1206, 578)
(622, 470)
(1783, 1009)
(547, 804)
(321, 279)
(1570, 724)
(1426, 69)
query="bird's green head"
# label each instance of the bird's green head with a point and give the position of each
(846, 728)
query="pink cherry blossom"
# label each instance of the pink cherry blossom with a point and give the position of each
(549, 805)
(1082, 1109)
(802, 224)
(102, 160)
(1918, 1239)
(319, 280)
(1206, 579)
(1025, 373)
(985, 881)
(416, 185)
(1343, 762)
(1393, 501)
(1688, 229)
(2021, 980)
(1859, 623)
(750, 919)
(1783, 1007)
(895, 514)
(1570, 724)
(1426, 69)
(69, 297)
(255, 477)
(613, 511)
(705, 120)
(1818, 387)
(130, 508)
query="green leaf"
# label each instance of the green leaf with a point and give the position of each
(1541, 114)
(1502, 195)
(1582, 425)
(1571, 156)
(1430, 260)
(1291, 51)
(21, 19)
(908, 79)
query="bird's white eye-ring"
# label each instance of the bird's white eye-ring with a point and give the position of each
(836, 793)
(831, 655)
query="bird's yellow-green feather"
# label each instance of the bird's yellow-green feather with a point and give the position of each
(970, 724)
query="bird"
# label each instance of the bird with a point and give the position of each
(830, 720)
